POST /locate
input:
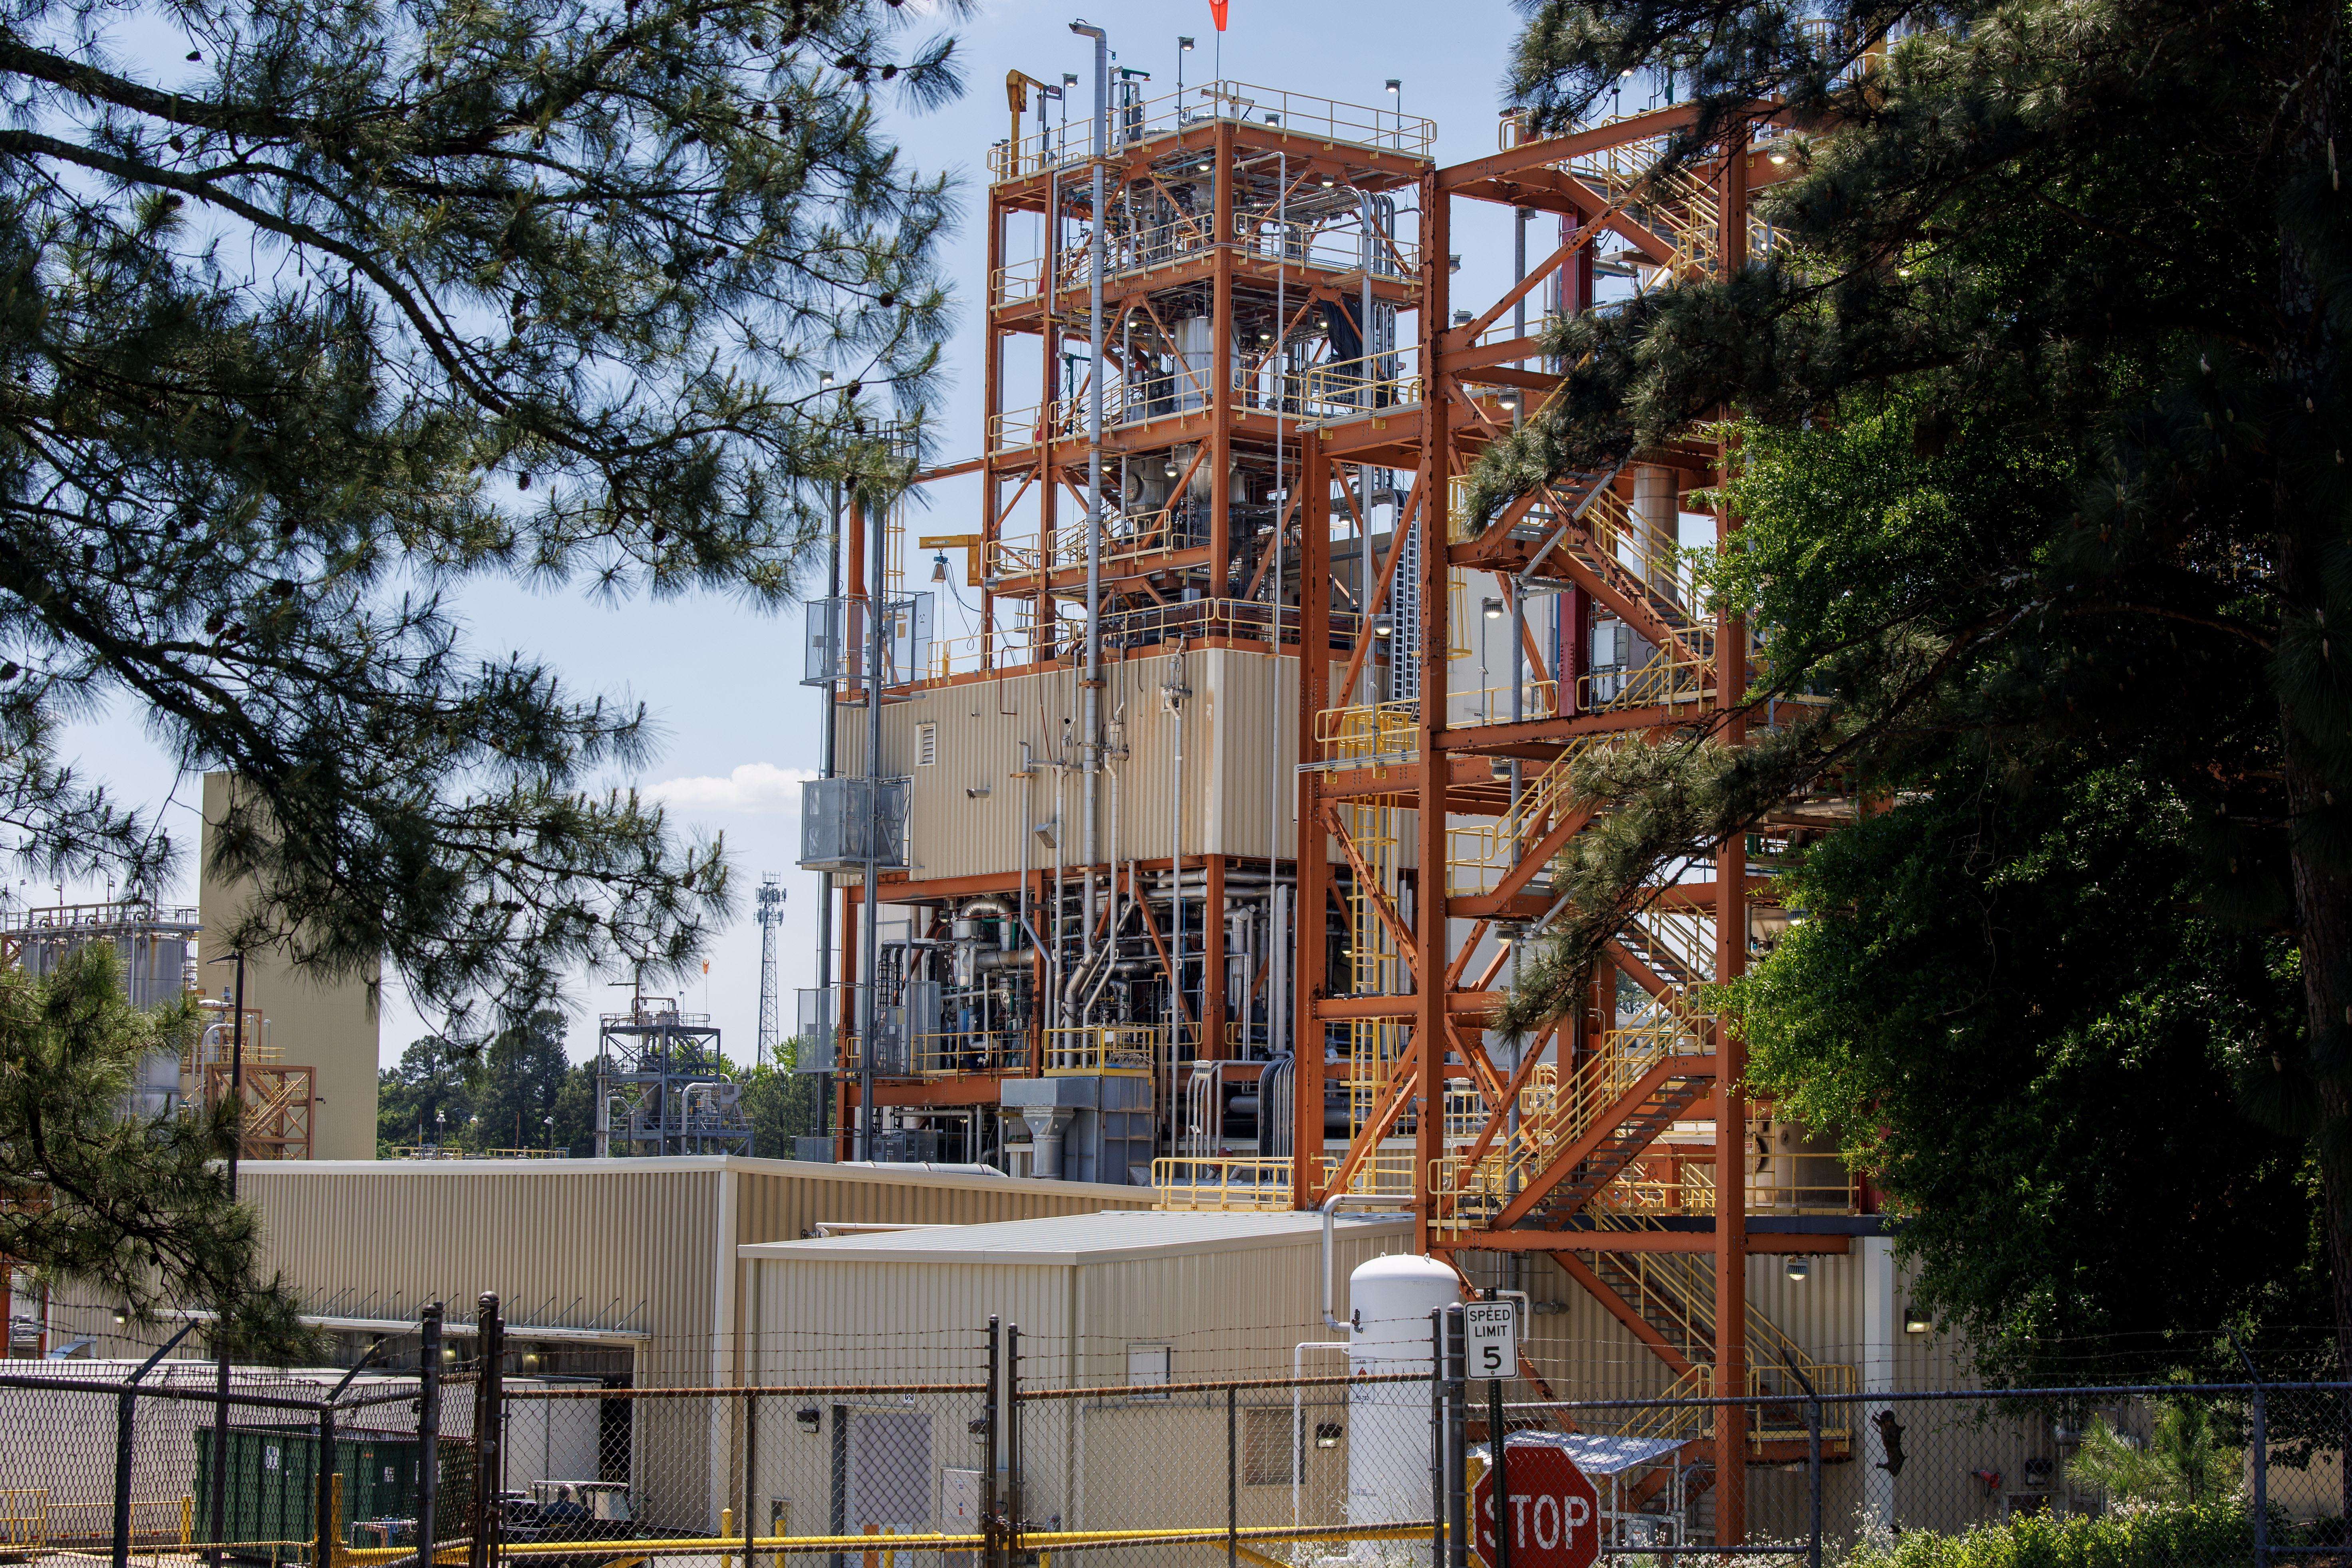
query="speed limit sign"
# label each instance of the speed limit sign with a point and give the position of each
(1493, 1333)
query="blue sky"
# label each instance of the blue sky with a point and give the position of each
(739, 729)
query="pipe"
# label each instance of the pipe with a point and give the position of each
(1061, 895)
(838, 609)
(1234, 877)
(1278, 994)
(1171, 696)
(1363, 470)
(869, 1119)
(1091, 724)
(1329, 1207)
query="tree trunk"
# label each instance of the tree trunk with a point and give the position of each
(2306, 366)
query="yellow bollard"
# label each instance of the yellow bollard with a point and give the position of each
(187, 1517)
(726, 1526)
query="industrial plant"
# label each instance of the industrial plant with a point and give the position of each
(1165, 915)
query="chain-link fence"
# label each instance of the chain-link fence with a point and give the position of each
(994, 1458)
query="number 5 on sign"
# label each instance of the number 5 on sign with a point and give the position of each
(1493, 1329)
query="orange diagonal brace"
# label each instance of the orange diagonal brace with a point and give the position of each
(1644, 975)
(1499, 1116)
(1581, 1149)
(1398, 1091)
(1617, 1307)
(1537, 855)
(1369, 886)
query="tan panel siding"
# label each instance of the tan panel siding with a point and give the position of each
(1239, 737)
(787, 1205)
(595, 1245)
(329, 1026)
(619, 1244)
(819, 1322)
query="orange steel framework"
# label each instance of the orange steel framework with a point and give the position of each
(1618, 1142)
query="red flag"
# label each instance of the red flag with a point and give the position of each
(1217, 13)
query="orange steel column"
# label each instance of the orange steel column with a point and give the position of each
(1049, 335)
(1311, 951)
(1730, 960)
(1430, 646)
(1221, 371)
(992, 403)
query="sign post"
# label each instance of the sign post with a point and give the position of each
(1552, 1511)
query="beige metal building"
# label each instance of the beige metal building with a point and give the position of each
(1120, 1305)
(328, 1027)
(610, 1267)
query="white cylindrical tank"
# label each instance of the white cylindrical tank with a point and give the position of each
(1387, 1438)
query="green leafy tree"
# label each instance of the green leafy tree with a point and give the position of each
(780, 1104)
(137, 1208)
(2005, 997)
(575, 1111)
(2099, 332)
(518, 1083)
(425, 1098)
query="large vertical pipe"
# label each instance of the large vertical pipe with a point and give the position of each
(1311, 852)
(821, 1101)
(869, 1120)
(1428, 642)
(1090, 703)
(1367, 572)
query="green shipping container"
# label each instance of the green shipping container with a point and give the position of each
(273, 1477)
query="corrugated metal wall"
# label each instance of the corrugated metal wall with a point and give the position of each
(972, 812)
(1229, 1313)
(631, 1245)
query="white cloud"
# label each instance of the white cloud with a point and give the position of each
(759, 787)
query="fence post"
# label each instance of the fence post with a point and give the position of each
(1437, 1437)
(1013, 1502)
(126, 1412)
(1233, 1478)
(1813, 1477)
(988, 1416)
(428, 1431)
(325, 1531)
(489, 1416)
(750, 1464)
(1497, 1435)
(2262, 1444)
(1457, 1426)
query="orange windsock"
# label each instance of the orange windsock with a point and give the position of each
(1217, 13)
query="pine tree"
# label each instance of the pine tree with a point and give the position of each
(135, 1207)
(354, 305)
(2086, 259)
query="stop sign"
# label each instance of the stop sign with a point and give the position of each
(1555, 1514)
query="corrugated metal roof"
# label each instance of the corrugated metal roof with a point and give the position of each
(809, 1170)
(1112, 1235)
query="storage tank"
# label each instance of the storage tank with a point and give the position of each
(1387, 1438)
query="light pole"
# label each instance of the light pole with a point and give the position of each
(549, 1122)
(219, 1478)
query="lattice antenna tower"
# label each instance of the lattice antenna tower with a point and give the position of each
(771, 916)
